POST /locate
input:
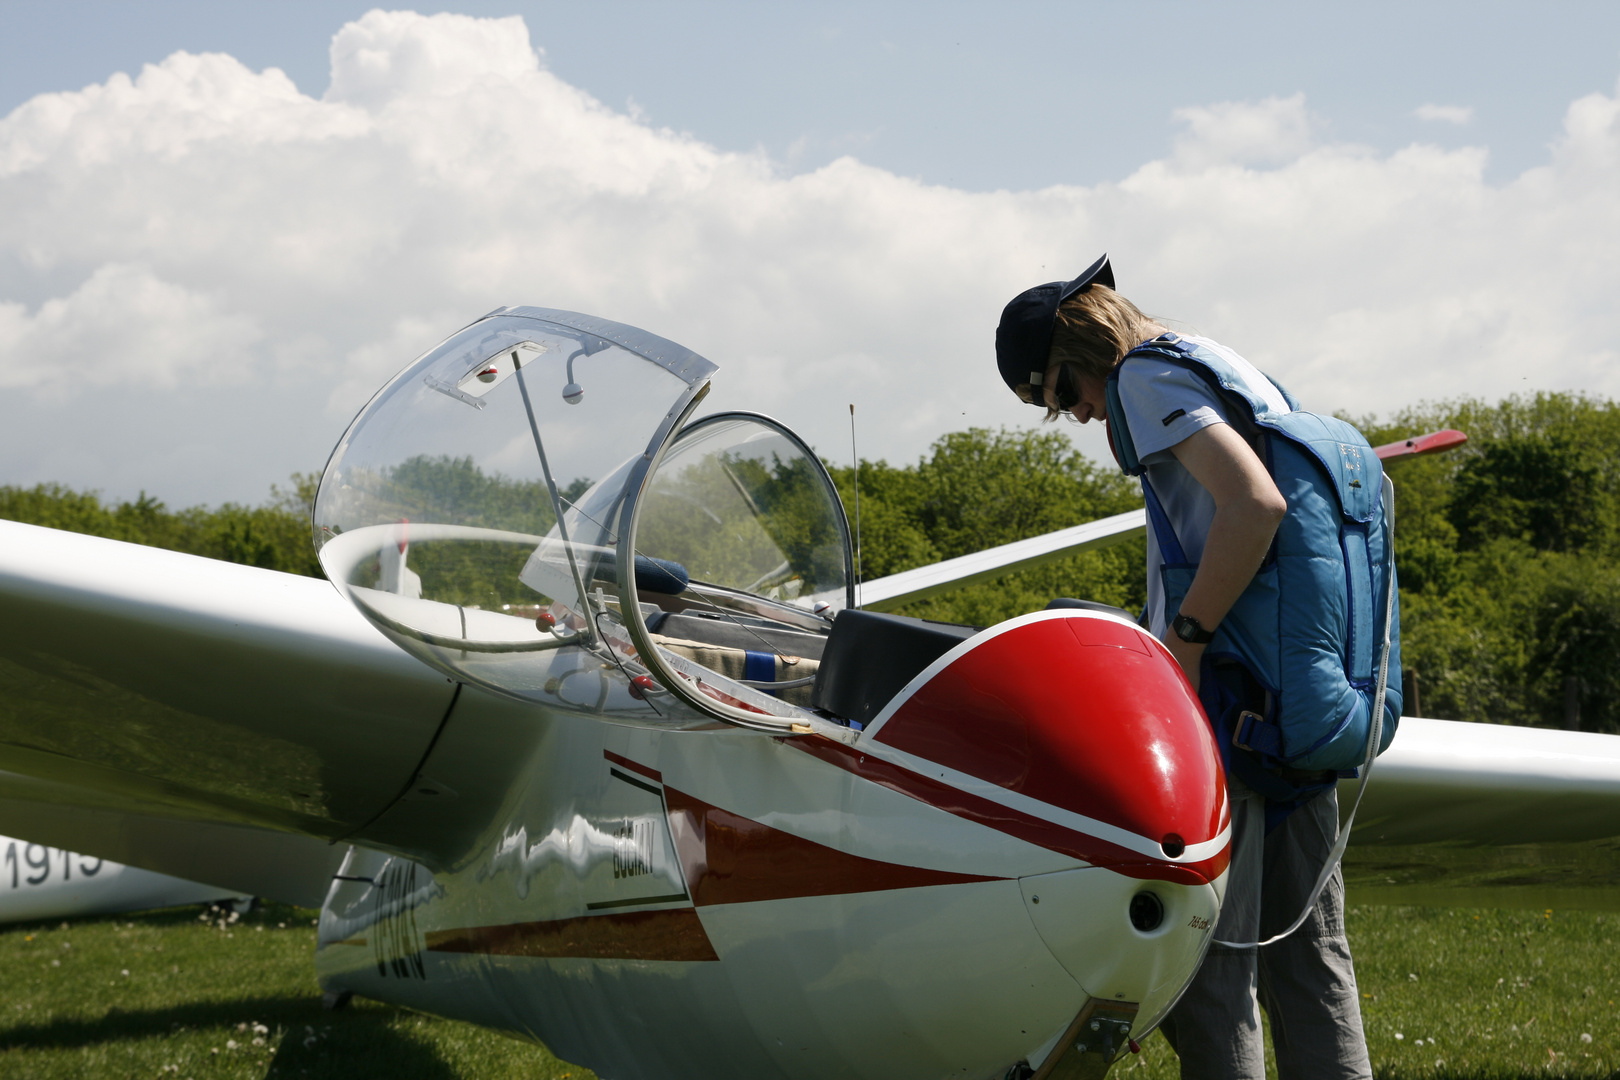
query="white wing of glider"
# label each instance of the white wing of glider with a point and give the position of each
(226, 724)
(1488, 815)
(229, 859)
(888, 593)
(198, 718)
(223, 692)
(1442, 781)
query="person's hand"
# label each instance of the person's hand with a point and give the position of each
(1188, 655)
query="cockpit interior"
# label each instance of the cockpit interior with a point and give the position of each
(536, 506)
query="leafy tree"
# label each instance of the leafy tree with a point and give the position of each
(424, 489)
(1506, 550)
(1537, 487)
(275, 536)
(761, 524)
(981, 488)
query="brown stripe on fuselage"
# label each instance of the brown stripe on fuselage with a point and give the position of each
(731, 859)
(671, 934)
(633, 766)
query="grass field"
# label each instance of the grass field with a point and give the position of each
(1451, 993)
(168, 995)
(1476, 994)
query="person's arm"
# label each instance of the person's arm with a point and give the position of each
(1248, 508)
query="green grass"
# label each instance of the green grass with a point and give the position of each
(1446, 993)
(1471, 994)
(167, 995)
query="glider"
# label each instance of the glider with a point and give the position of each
(591, 743)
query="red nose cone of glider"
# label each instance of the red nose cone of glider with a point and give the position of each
(1092, 718)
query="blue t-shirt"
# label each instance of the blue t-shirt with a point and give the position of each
(1164, 403)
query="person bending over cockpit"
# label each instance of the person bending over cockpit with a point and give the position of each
(1057, 346)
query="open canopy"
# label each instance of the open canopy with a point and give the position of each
(525, 505)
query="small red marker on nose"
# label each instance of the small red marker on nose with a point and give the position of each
(642, 685)
(1136, 1047)
(545, 620)
(488, 374)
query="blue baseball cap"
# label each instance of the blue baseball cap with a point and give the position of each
(1024, 338)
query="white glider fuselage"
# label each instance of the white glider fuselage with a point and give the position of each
(762, 833)
(728, 903)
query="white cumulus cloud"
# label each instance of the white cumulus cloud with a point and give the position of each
(123, 325)
(1445, 114)
(204, 273)
(1268, 132)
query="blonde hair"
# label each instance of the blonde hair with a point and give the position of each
(1093, 331)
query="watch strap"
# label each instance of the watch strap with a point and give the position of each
(1191, 630)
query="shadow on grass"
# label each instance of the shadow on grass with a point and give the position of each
(364, 1032)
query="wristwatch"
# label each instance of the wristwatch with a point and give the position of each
(1190, 630)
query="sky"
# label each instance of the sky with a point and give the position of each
(223, 226)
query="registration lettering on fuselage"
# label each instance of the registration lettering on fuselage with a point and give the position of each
(29, 865)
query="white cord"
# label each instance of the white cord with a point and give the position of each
(1375, 734)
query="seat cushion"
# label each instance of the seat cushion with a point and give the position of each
(871, 656)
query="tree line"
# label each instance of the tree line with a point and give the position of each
(1506, 548)
(274, 535)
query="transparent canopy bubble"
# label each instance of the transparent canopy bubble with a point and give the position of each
(743, 504)
(749, 514)
(476, 513)
(471, 512)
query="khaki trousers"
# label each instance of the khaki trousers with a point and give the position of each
(1306, 982)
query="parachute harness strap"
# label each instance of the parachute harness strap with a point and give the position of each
(1375, 734)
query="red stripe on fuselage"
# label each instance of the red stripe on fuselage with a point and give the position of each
(731, 859)
(651, 774)
(671, 934)
(1028, 827)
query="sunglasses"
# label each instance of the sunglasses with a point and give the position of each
(1066, 390)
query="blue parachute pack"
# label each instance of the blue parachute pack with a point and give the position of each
(1289, 680)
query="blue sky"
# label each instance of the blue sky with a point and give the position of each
(1383, 205)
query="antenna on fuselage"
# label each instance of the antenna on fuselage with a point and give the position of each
(855, 463)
